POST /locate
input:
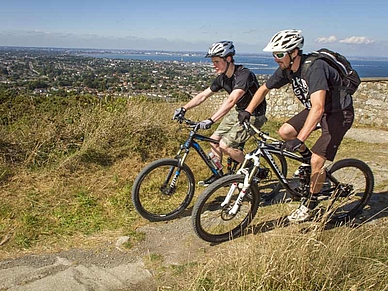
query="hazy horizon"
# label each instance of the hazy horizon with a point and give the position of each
(352, 27)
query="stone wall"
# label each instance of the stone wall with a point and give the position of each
(370, 103)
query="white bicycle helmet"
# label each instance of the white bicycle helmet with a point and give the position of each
(285, 41)
(221, 49)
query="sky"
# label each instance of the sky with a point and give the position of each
(351, 27)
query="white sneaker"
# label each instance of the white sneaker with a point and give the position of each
(300, 215)
(208, 181)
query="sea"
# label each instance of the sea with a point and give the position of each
(259, 64)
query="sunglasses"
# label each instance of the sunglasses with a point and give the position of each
(279, 55)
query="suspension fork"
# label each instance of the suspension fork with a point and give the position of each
(176, 172)
(255, 156)
(246, 185)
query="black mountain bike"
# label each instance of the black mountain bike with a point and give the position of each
(165, 187)
(226, 208)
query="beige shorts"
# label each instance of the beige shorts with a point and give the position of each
(232, 133)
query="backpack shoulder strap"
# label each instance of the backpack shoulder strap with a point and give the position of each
(336, 60)
(307, 60)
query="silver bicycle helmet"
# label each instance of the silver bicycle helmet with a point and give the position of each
(221, 49)
(285, 41)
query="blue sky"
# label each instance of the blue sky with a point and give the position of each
(356, 28)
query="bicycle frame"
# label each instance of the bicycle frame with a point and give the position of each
(184, 150)
(191, 142)
(264, 150)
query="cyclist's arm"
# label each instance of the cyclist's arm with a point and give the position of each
(315, 114)
(258, 98)
(228, 104)
(198, 99)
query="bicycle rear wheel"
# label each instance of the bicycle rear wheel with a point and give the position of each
(162, 190)
(213, 222)
(352, 193)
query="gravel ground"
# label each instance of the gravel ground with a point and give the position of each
(368, 135)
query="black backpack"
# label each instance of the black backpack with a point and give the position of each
(350, 78)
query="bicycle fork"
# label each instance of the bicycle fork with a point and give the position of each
(241, 195)
(174, 173)
(246, 184)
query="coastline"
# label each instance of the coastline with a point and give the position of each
(260, 64)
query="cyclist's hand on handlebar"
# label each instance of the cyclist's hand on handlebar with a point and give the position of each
(243, 115)
(206, 124)
(292, 145)
(179, 113)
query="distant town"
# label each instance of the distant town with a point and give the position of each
(55, 71)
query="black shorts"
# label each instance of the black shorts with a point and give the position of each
(333, 126)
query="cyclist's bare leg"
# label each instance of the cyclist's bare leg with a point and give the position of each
(235, 154)
(317, 178)
(215, 147)
(288, 132)
(318, 174)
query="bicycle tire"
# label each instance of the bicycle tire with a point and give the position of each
(354, 191)
(212, 222)
(149, 191)
(270, 185)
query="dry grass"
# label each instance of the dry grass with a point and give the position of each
(66, 178)
(288, 259)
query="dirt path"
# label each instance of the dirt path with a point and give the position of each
(109, 269)
(114, 268)
(368, 135)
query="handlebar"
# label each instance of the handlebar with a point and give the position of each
(250, 127)
(190, 123)
(247, 125)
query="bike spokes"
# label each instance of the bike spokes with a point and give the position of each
(216, 218)
(352, 185)
(163, 190)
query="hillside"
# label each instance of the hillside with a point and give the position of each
(66, 217)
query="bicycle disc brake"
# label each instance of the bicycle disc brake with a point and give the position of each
(225, 213)
(343, 190)
(167, 190)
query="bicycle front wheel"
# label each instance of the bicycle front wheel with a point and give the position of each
(352, 193)
(162, 190)
(212, 221)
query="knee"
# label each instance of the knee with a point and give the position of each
(283, 132)
(287, 132)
